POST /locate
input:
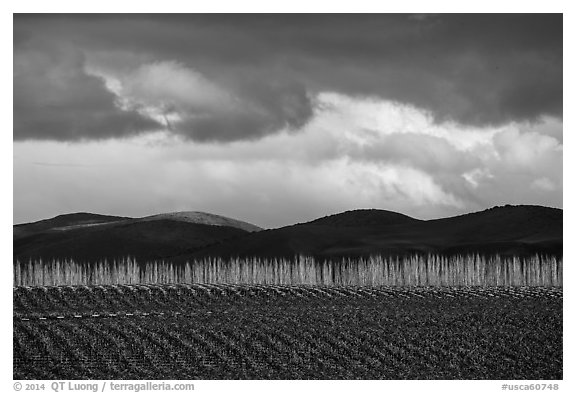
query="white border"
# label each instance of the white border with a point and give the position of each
(420, 6)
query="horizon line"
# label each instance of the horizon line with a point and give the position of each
(297, 223)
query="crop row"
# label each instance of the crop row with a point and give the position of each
(67, 300)
(364, 337)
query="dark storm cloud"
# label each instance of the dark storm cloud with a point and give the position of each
(472, 69)
(55, 99)
(278, 107)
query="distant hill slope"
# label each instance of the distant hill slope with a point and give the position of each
(363, 218)
(204, 218)
(89, 237)
(507, 230)
(63, 222)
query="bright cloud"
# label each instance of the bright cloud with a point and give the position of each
(167, 90)
(354, 153)
(195, 107)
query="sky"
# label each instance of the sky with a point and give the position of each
(282, 119)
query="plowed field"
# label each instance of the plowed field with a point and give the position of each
(286, 332)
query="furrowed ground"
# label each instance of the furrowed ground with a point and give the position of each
(286, 332)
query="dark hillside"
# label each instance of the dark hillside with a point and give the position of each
(64, 221)
(508, 230)
(86, 237)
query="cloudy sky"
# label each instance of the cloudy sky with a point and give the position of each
(282, 119)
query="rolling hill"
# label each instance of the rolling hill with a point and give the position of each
(204, 218)
(506, 230)
(90, 237)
